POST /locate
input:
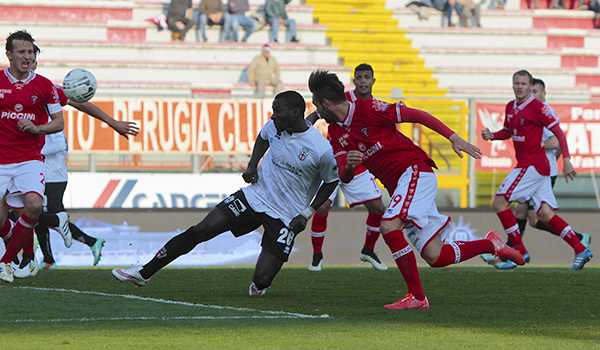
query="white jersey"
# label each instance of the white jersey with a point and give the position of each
(551, 153)
(55, 151)
(291, 172)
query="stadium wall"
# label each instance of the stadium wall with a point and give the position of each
(345, 234)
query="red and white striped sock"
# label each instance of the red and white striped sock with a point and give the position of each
(373, 233)
(22, 234)
(566, 232)
(458, 251)
(405, 260)
(511, 227)
(317, 232)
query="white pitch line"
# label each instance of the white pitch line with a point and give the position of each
(174, 302)
(142, 318)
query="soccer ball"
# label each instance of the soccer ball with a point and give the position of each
(79, 85)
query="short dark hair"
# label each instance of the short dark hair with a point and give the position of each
(364, 67)
(36, 50)
(524, 72)
(293, 100)
(324, 84)
(18, 35)
(537, 81)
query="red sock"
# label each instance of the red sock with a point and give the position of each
(5, 230)
(458, 251)
(405, 260)
(511, 227)
(317, 232)
(373, 223)
(21, 234)
(566, 233)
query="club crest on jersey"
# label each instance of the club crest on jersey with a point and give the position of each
(380, 106)
(303, 153)
(34, 99)
(362, 147)
(365, 132)
(18, 108)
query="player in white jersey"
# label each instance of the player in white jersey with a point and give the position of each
(363, 189)
(23, 122)
(525, 211)
(299, 164)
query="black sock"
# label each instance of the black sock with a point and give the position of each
(81, 236)
(48, 219)
(540, 225)
(176, 247)
(522, 226)
(44, 240)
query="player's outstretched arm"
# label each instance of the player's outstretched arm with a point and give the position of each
(124, 128)
(459, 145)
(298, 223)
(261, 146)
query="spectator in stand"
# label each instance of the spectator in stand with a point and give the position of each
(276, 15)
(179, 11)
(237, 10)
(212, 12)
(444, 6)
(264, 70)
(469, 13)
(595, 6)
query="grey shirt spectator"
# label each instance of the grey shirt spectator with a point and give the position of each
(237, 9)
(276, 14)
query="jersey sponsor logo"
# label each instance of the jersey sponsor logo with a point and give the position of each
(304, 152)
(14, 115)
(282, 164)
(18, 108)
(517, 138)
(19, 85)
(342, 140)
(372, 150)
(362, 147)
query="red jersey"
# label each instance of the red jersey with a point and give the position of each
(525, 125)
(25, 99)
(351, 96)
(370, 127)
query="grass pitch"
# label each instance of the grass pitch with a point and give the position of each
(337, 308)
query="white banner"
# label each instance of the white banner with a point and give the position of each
(144, 190)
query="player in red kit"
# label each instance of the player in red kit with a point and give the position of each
(365, 132)
(24, 97)
(525, 120)
(363, 189)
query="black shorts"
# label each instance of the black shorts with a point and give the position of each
(53, 201)
(277, 238)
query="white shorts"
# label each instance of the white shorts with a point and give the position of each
(18, 179)
(363, 188)
(524, 184)
(414, 201)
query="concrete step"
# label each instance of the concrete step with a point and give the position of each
(228, 73)
(501, 77)
(53, 11)
(183, 52)
(507, 58)
(497, 38)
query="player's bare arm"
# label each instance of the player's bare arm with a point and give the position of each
(57, 124)
(459, 145)
(124, 128)
(261, 146)
(298, 223)
(568, 169)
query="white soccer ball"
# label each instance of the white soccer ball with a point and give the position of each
(79, 85)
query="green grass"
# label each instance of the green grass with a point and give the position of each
(529, 308)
